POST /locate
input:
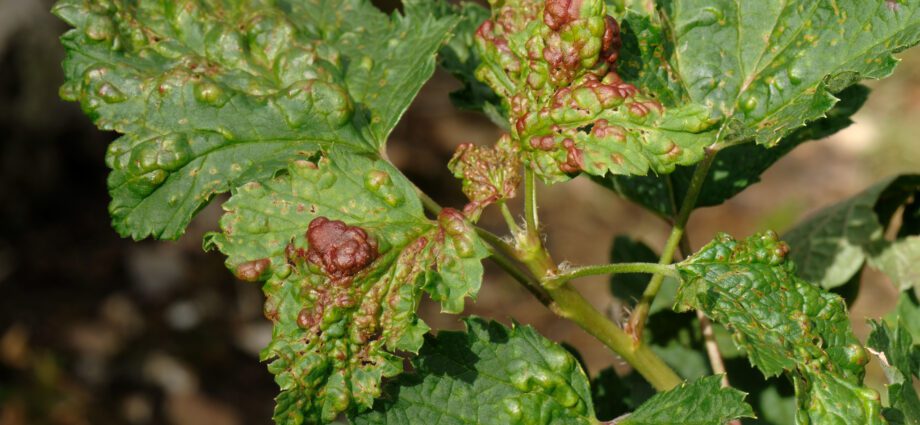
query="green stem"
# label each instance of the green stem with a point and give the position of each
(637, 321)
(509, 218)
(615, 268)
(570, 304)
(530, 203)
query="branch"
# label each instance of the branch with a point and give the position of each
(615, 268)
(640, 314)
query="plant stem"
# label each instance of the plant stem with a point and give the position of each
(637, 321)
(509, 218)
(530, 203)
(615, 268)
(569, 304)
(565, 301)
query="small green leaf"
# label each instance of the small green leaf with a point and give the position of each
(784, 324)
(908, 312)
(701, 402)
(488, 375)
(347, 253)
(210, 94)
(832, 245)
(735, 168)
(900, 359)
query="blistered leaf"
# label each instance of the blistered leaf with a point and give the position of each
(767, 68)
(784, 324)
(489, 374)
(900, 359)
(701, 402)
(211, 94)
(347, 252)
(489, 173)
(832, 245)
(569, 110)
(735, 168)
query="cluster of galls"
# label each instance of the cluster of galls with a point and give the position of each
(490, 174)
(562, 74)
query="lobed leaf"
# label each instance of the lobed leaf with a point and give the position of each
(210, 94)
(784, 324)
(346, 252)
(701, 402)
(767, 68)
(832, 245)
(900, 359)
(489, 374)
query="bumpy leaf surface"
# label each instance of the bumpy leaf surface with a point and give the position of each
(210, 94)
(767, 68)
(701, 402)
(735, 168)
(832, 245)
(783, 324)
(900, 358)
(488, 375)
(347, 252)
(552, 63)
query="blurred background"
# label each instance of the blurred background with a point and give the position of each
(95, 329)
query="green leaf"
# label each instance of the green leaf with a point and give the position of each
(908, 312)
(488, 375)
(900, 359)
(701, 402)
(343, 309)
(767, 68)
(569, 111)
(784, 324)
(832, 245)
(489, 173)
(899, 261)
(209, 95)
(735, 168)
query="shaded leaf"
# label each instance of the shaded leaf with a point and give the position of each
(210, 94)
(784, 324)
(832, 245)
(488, 375)
(701, 402)
(900, 359)
(899, 261)
(347, 252)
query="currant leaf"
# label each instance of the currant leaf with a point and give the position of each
(767, 68)
(701, 402)
(211, 94)
(784, 324)
(346, 252)
(489, 173)
(489, 374)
